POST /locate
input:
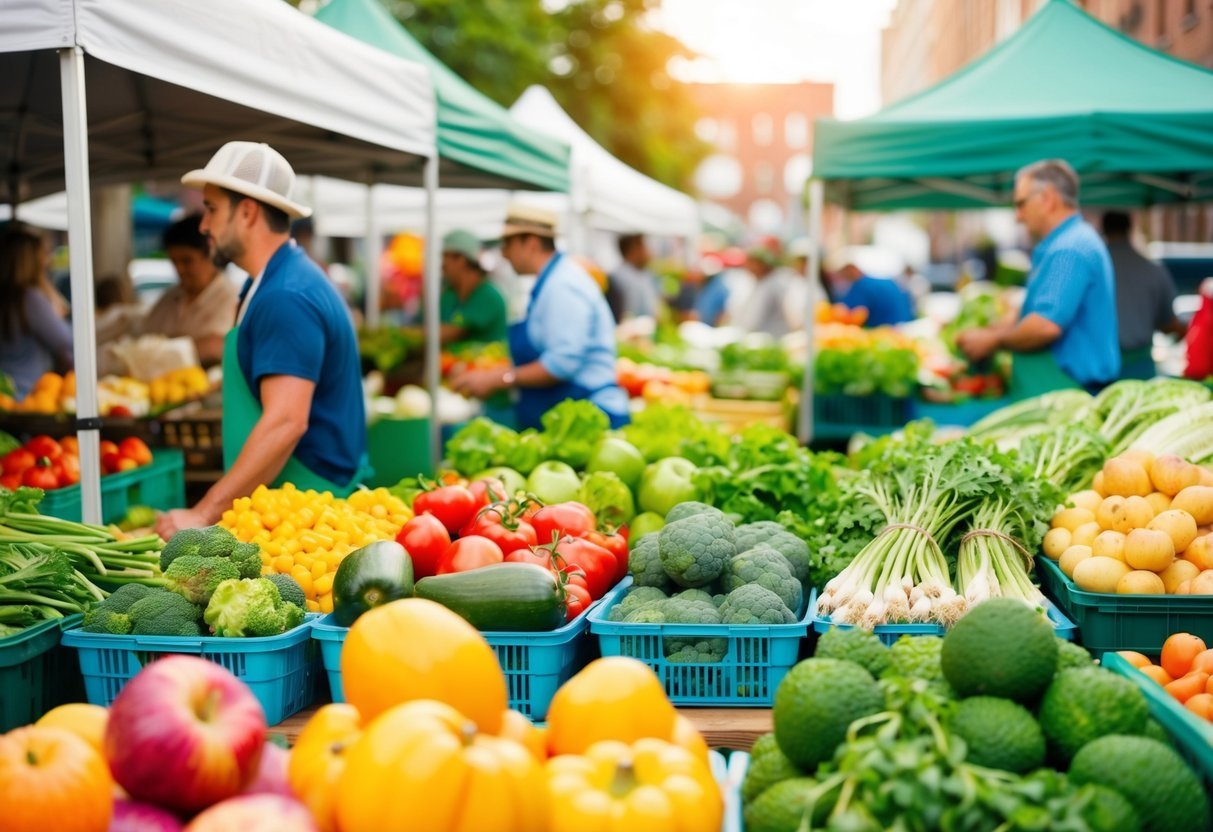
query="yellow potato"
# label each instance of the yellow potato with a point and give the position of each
(1140, 582)
(1139, 510)
(1206, 476)
(1177, 573)
(1109, 544)
(1197, 500)
(1202, 584)
(1097, 485)
(1178, 525)
(1099, 574)
(1126, 478)
(1113, 514)
(1085, 534)
(1158, 501)
(1200, 553)
(1056, 541)
(1072, 557)
(1089, 499)
(1139, 455)
(1072, 518)
(1171, 475)
(1149, 549)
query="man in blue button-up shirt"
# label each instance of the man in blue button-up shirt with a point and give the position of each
(1068, 320)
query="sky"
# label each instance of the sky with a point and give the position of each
(767, 41)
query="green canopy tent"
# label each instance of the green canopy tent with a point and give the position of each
(480, 145)
(1136, 124)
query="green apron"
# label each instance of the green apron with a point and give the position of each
(241, 411)
(1137, 364)
(1036, 373)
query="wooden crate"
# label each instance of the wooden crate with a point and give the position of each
(738, 414)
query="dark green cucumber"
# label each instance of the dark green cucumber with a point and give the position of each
(370, 577)
(505, 596)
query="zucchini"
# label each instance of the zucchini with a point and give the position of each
(370, 577)
(505, 596)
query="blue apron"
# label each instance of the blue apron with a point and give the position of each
(533, 402)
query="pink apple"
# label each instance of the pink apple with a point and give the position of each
(184, 734)
(255, 813)
(142, 817)
(271, 773)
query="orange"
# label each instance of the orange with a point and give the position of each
(1159, 675)
(1136, 659)
(1189, 686)
(1178, 652)
(1203, 661)
(1202, 705)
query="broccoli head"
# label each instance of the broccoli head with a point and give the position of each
(694, 550)
(164, 613)
(288, 588)
(754, 604)
(646, 614)
(211, 542)
(794, 549)
(637, 597)
(765, 567)
(854, 644)
(690, 611)
(247, 558)
(644, 562)
(705, 651)
(752, 534)
(694, 595)
(195, 577)
(250, 607)
(916, 657)
(110, 616)
(691, 508)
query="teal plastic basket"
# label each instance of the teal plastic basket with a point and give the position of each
(281, 671)
(1192, 736)
(956, 414)
(159, 484)
(836, 416)
(890, 633)
(756, 659)
(1126, 622)
(36, 673)
(535, 664)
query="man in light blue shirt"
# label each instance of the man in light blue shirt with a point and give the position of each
(1066, 334)
(565, 347)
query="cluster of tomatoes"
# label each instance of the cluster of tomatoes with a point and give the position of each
(48, 464)
(461, 527)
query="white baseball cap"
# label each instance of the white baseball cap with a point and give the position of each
(255, 170)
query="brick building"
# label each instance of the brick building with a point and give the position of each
(927, 40)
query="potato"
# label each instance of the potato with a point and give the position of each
(1171, 475)
(1139, 455)
(1158, 501)
(1139, 510)
(1140, 582)
(1202, 584)
(1126, 478)
(1099, 574)
(1097, 484)
(1085, 534)
(1113, 514)
(1178, 525)
(1089, 499)
(1072, 518)
(1184, 588)
(1200, 553)
(1071, 557)
(1177, 573)
(1197, 500)
(1149, 549)
(1056, 541)
(1206, 476)
(1109, 544)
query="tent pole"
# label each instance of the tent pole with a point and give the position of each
(80, 254)
(430, 289)
(816, 200)
(374, 253)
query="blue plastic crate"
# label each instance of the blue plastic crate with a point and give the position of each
(890, 633)
(956, 414)
(838, 416)
(756, 659)
(37, 673)
(281, 671)
(535, 664)
(159, 484)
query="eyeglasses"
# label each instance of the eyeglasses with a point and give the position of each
(1019, 203)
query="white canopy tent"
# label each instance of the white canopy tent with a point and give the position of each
(171, 81)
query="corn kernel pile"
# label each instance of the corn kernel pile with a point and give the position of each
(305, 534)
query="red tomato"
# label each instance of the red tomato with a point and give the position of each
(70, 445)
(120, 411)
(40, 476)
(68, 467)
(469, 553)
(17, 461)
(135, 448)
(496, 525)
(598, 564)
(453, 505)
(110, 461)
(577, 599)
(426, 540)
(10, 481)
(44, 446)
(617, 545)
(489, 490)
(538, 556)
(563, 518)
(108, 447)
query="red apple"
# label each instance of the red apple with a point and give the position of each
(271, 773)
(184, 734)
(255, 813)
(142, 817)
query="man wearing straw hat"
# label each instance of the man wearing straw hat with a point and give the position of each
(292, 383)
(565, 347)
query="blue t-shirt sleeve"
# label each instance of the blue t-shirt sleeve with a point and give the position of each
(1058, 288)
(561, 332)
(289, 342)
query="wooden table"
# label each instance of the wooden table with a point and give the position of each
(734, 728)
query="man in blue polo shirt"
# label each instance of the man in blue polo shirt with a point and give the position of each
(885, 300)
(292, 386)
(1066, 333)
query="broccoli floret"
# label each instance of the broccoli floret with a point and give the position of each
(288, 588)
(212, 542)
(752, 534)
(754, 604)
(916, 657)
(250, 607)
(637, 597)
(706, 651)
(691, 508)
(767, 568)
(694, 595)
(644, 562)
(247, 558)
(164, 613)
(110, 616)
(690, 611)
(694, 551)
(854, 644)
(647, 614)
(195, 577)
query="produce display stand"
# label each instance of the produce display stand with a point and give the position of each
(25, 426)
(37, 673)
(738, 414)
(398, 448)
(281, 671)
(198, 435)
(955, 414)
(159, 485)
(1125, 622)
(836, 416)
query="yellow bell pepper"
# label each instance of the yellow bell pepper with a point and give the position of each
(648, 786)
(318, 760)
(614, 698)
